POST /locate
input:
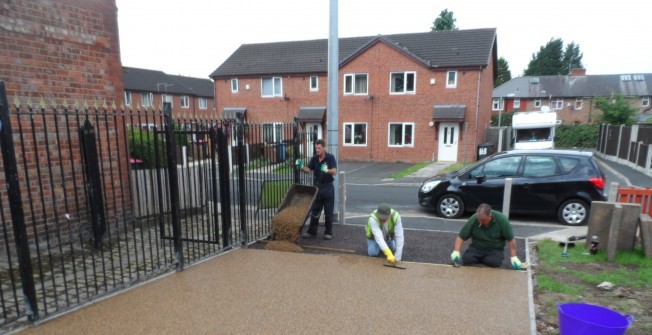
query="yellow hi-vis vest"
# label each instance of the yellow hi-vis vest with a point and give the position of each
(391, 221)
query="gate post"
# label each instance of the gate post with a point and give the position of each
(295, 151)
(16, 207)
(94, 182)
(242, 190)
(170, 148)
(225, 184)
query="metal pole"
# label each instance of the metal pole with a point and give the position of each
(332, 111)
(16, 207)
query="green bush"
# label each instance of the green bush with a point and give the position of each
(141, 146)
(577, 136)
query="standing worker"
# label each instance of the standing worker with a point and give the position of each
(385, 232)
(488, 231)
(323, 167)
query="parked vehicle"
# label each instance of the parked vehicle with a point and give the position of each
(534, 130)
(544, 182)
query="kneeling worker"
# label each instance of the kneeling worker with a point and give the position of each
(385, 232)
(488, 231)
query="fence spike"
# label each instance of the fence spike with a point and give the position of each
(113, 105)
(104, 105)
(29, 102)
(85, 104)
(65, 102)
(41, 103)
(54, 105)
(16, 101)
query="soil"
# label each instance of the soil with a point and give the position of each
(636, 301)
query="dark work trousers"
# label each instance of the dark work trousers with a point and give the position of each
(325, 200)
(490, 258)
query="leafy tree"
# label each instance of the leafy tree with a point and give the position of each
(505, 118)
(548, 61)
(504, 75)
(572, 57)
(616, 110)
(445, 21)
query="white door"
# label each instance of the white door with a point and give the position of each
(313, 133)
(448, 139)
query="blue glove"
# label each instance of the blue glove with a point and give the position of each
(324, 168)
(299, 164)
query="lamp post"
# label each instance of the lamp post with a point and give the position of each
(500, 130)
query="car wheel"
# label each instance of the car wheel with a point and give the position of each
(450, 206)
(573, 212)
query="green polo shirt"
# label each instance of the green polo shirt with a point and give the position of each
(490, 238)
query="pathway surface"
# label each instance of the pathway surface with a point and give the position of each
(252, 291)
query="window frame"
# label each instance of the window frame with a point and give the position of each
(495, 104)
(451, 82)
(351, 142)
(557, 103)
(274, 86)
(537, 103)
(185, 101)
(403, 132)
(146, 96)
(579, 103)
(235, 85)
(406, 76)
(202, 101)
(314, 88)
(354, 77)
(645, 102)
(517, 103)
(127, 98)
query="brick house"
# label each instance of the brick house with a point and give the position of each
(572, 96)
(150, 88)
(405, 97)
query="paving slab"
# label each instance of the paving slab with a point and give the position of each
(250, 291)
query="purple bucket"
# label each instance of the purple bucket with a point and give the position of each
(584, 319)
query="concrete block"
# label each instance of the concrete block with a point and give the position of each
(645, 222)
(599, 222)
(617, 230)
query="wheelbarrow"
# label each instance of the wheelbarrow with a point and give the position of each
(294, 209)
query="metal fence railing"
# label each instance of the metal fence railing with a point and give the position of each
(95, 199)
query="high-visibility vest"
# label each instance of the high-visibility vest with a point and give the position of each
(391, 221)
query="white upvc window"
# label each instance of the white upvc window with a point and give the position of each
(185, 101)
(537, 103)
(272, 132)
(495, 104)
(314, 83)
(203, 104)
(517, 103)
(271, 87)
(167, 98)
(401, 135)
(127, 98)
(645, 102)
(235, 86)
(557, 103)
(355, 134)
(402, 82)
(146, 99)
(578, 103)
(451, 79)
(355, 84)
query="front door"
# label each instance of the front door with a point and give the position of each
(448, 138)
(313, 133)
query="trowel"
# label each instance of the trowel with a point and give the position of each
(395, 265)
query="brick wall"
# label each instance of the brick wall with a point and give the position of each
(57, 57)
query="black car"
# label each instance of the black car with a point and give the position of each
(544, 182)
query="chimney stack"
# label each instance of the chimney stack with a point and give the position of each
(578, 72)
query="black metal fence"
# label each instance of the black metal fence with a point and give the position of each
(95, 199)
(630, 145)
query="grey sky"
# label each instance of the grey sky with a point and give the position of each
(193, 37)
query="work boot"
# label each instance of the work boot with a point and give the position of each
(307, 235)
